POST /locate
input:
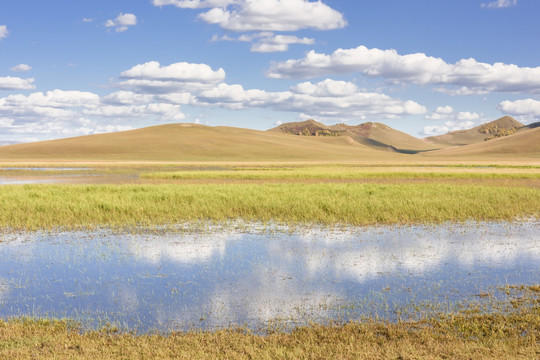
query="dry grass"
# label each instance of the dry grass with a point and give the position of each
(463, 336)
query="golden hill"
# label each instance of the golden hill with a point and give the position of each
(374, 135)
(525, 142)
(383, 134)
(498, 128)
(190, 142)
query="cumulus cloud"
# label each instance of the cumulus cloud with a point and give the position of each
(448, 126)
(500, 4)
(466, 115)
(275, 15)
(163, 112)
(182, 71)
(442, 112)
(3, 32)
(60, 113)
(267, 41)
(525, 107)
(15, 83)
(152, 77)
(326, 99)
(195, 4)
(465, 76)
(38, 107)
(279, 43)
(87, 20)
(54, 98)
(122, 22)
(21, 68)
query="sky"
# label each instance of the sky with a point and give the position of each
(425, 67)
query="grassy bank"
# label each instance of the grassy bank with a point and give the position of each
(336, 174)
(510, 334)
(72, 206)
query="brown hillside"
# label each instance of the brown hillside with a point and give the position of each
(308, 128)
(189, 142)
(388, 136)
(525, 142)
(374, 135)
(498, 128)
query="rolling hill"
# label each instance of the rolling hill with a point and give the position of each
(498, 128)
(374, 135)
(190, 142)
(524, 142)
(316, 143)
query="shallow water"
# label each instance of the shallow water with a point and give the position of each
(18, 181)
(45, 168)
(259, 277)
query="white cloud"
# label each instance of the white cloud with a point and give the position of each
(151, 77)
(88, 20)
(500, 4)
(54, 98)
(162, 112)
(326, 99)
(442, 112)
(21, 68)
(43, 107)
(61, 113)
(279, 43)
(267, 41)
(466, 75)
(448, 126)
(122, 22)
(15, 83)
(275, 15)
(126, 98)
(195, 4)
(3, 32)
(526, 107)
(181, 71)
(468, 116)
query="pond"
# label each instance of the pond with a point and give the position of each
(259, 276)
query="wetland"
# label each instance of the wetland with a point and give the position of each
(254, 260)
(261, 276)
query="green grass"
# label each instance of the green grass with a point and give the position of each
(73, 206)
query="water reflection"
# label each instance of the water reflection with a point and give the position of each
(226, 277)
(18, 181)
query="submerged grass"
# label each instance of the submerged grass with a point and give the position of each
(466, 334)
(73, 206)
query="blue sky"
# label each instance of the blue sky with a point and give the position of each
(70, 68)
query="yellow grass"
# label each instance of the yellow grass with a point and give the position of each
(502, 334)
(73, 206)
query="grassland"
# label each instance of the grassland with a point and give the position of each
(467, 334)
(346, 173)
(85, 206)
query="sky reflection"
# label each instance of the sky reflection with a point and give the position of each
(252, 277)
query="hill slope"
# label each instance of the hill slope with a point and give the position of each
(525, 142)
(190, 142)
(374, 135)
(500, 127)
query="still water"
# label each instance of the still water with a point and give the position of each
(257, 276)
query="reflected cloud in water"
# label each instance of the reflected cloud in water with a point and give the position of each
(223, 277)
